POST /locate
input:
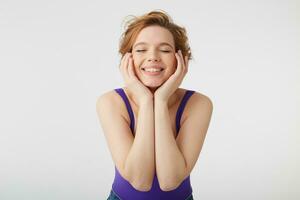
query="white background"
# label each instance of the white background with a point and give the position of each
(57, 57)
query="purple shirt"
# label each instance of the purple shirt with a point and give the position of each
(124, 189)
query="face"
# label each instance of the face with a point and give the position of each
(154, 48)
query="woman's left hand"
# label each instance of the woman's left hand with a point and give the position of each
(164, 92)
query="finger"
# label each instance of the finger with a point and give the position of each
(182, 61)
(124, 67)
(179, 64)
(127, 66)
(130, 68)
(123, 60)
(186, 63)
(184, 66)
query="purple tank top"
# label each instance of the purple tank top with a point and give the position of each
(124, 189)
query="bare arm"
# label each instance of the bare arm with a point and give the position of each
(134, 157)
(169, 160)
(176, 157)
(139, 164)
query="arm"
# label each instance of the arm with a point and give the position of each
(134, 157)
(170, 163)
(139, 164)
(176, 159)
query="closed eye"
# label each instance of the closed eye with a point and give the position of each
(166, 51)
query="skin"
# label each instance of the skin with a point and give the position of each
(151, 52)
(155, 100)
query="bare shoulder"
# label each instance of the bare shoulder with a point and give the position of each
(199, 102)
(115, 128)
(200, 98)
(194, 128)
(106, 97)
(113, 100)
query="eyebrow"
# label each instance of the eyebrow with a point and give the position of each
(160, 44)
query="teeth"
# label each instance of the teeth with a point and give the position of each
(152, 70)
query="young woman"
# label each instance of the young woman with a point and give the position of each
(154, 129)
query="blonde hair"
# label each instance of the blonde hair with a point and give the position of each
(157, 17)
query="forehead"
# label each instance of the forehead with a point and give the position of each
(154, 35)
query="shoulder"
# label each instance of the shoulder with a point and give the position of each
(105, 99)
(199, 102)
(202, 99)
(197, 97)
(112, 100)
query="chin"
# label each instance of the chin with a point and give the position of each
(152, 84)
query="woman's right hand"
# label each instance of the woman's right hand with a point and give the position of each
(132, 83)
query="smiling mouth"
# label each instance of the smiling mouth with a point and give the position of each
(152, 72)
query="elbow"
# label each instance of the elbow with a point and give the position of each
(170, 182)
(141, 186)
(169, 185)
(141, 182)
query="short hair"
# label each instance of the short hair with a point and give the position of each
(156, 17)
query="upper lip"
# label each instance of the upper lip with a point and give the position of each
(153, 66)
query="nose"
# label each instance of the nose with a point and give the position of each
(153, 57)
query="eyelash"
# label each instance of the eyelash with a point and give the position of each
(145, 50)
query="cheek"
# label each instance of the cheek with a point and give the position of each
(136, 56)
(172, 60)
(173, 64)
(136, 66)
(136, 59)
(171, 69)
